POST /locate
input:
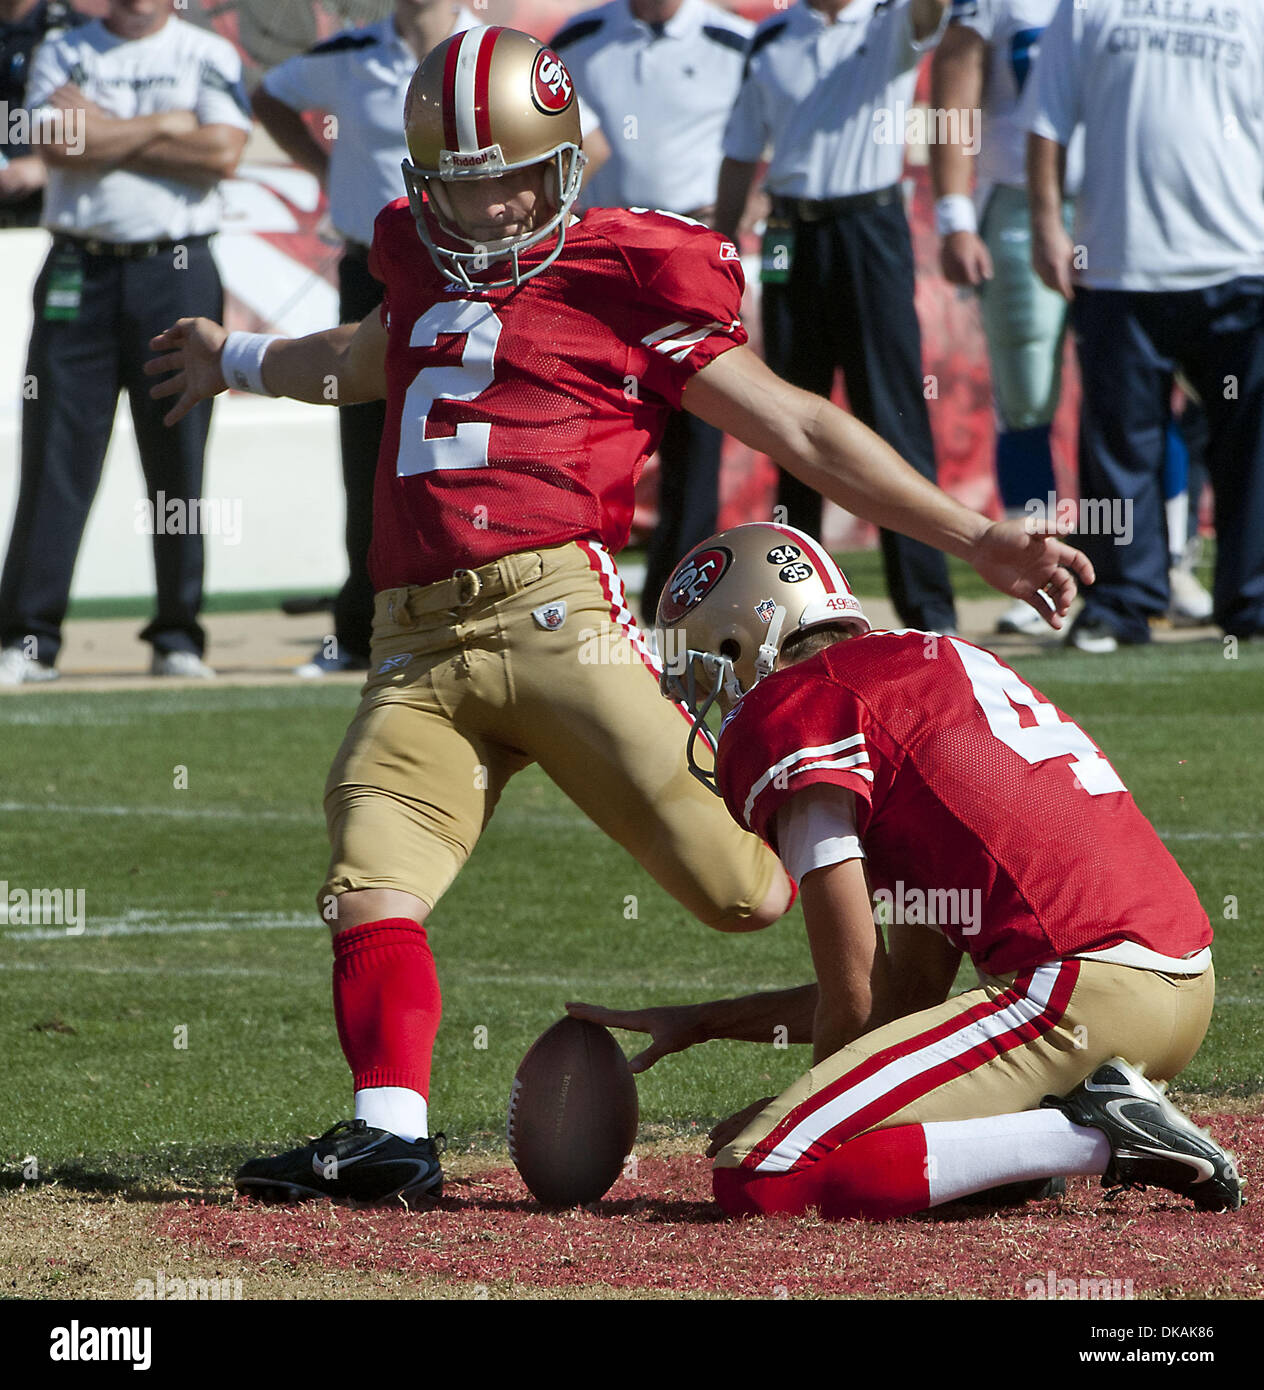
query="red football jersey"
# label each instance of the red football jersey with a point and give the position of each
(522, 418)
(968, 780)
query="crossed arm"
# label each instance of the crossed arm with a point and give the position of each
(169, 144)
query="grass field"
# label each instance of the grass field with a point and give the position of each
(190, 1024)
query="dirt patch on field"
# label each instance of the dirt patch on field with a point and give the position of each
(657, 1235)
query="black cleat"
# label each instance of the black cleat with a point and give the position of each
(1014, 1194)
(352, 1162)
(1152, 1143)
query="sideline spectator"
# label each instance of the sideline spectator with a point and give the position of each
(358, 78)
(24, 25)
(140, 115)
(660, 77)
(826, 87)
(1166, 271)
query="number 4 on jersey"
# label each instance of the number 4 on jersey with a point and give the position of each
(998, 690)
(465, 381)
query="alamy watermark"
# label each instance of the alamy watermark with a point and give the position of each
(57, 907)
(1087, 516)
(190, 516)
(19, 129)
(929, 907)
(902, 124)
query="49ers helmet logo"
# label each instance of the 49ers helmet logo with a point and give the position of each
(692, 582)
(551, 88)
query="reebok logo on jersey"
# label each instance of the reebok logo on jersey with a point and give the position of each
(729, 252)
(394, 663)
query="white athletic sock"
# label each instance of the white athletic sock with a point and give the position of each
(393, 1108)
(964, 1156)
(1177, 509)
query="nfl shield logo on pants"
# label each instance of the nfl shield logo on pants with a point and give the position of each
(550, 616)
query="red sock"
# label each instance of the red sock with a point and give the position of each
(882, 1173)
(386, 1003)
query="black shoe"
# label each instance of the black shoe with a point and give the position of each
(1152, 1143)
(1014, 1194)
(352, 1162)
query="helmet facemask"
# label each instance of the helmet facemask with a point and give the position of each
(565, 174)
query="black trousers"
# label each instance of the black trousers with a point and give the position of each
(688, 499)
(848, 303)
(1129, 344)
(76, 368)
(360, 430)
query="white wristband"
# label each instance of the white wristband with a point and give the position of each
(955, 213)
(241, 361)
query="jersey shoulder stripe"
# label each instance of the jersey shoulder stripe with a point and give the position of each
(767, 33)
(727, 38)
(348, 39)
(572, 33)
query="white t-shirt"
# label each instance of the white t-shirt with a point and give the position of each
(359, 77)
(181, 67)
(829, 101)
(1011, 29)
(661, 100)
(1171, 97)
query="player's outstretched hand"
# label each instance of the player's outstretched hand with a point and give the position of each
(191, 352)
(672, 1029)
(1025, 557)
(727, 1130)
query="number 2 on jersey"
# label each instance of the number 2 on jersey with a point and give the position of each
(998, 690)
(465, 381)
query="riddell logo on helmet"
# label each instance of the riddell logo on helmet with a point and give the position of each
(551, 88)
(470, 161)
(693, 581)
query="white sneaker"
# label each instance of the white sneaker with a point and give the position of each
(1190, 603)
(1022, 618)
(183, 664)
(16, 668)
(322, 665)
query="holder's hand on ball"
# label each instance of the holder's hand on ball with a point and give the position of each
(671, 1028)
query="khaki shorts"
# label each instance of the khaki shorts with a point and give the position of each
(542, 664)
(995, 1050)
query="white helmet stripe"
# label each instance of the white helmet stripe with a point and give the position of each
(466, 68)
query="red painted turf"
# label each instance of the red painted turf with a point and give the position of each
(661, 1233)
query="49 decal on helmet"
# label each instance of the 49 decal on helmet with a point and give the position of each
(729, 607)
(483, 104)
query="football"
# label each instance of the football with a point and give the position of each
(572, 1114)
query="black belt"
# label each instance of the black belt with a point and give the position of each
(818, 209)
(125, 250)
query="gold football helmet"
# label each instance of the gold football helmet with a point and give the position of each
(484, 103)
(729, 607)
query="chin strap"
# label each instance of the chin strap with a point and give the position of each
(766, 661)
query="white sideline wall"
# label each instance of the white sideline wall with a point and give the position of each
(277, 459)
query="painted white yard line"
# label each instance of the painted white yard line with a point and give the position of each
(168, 812)
(510, 815)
